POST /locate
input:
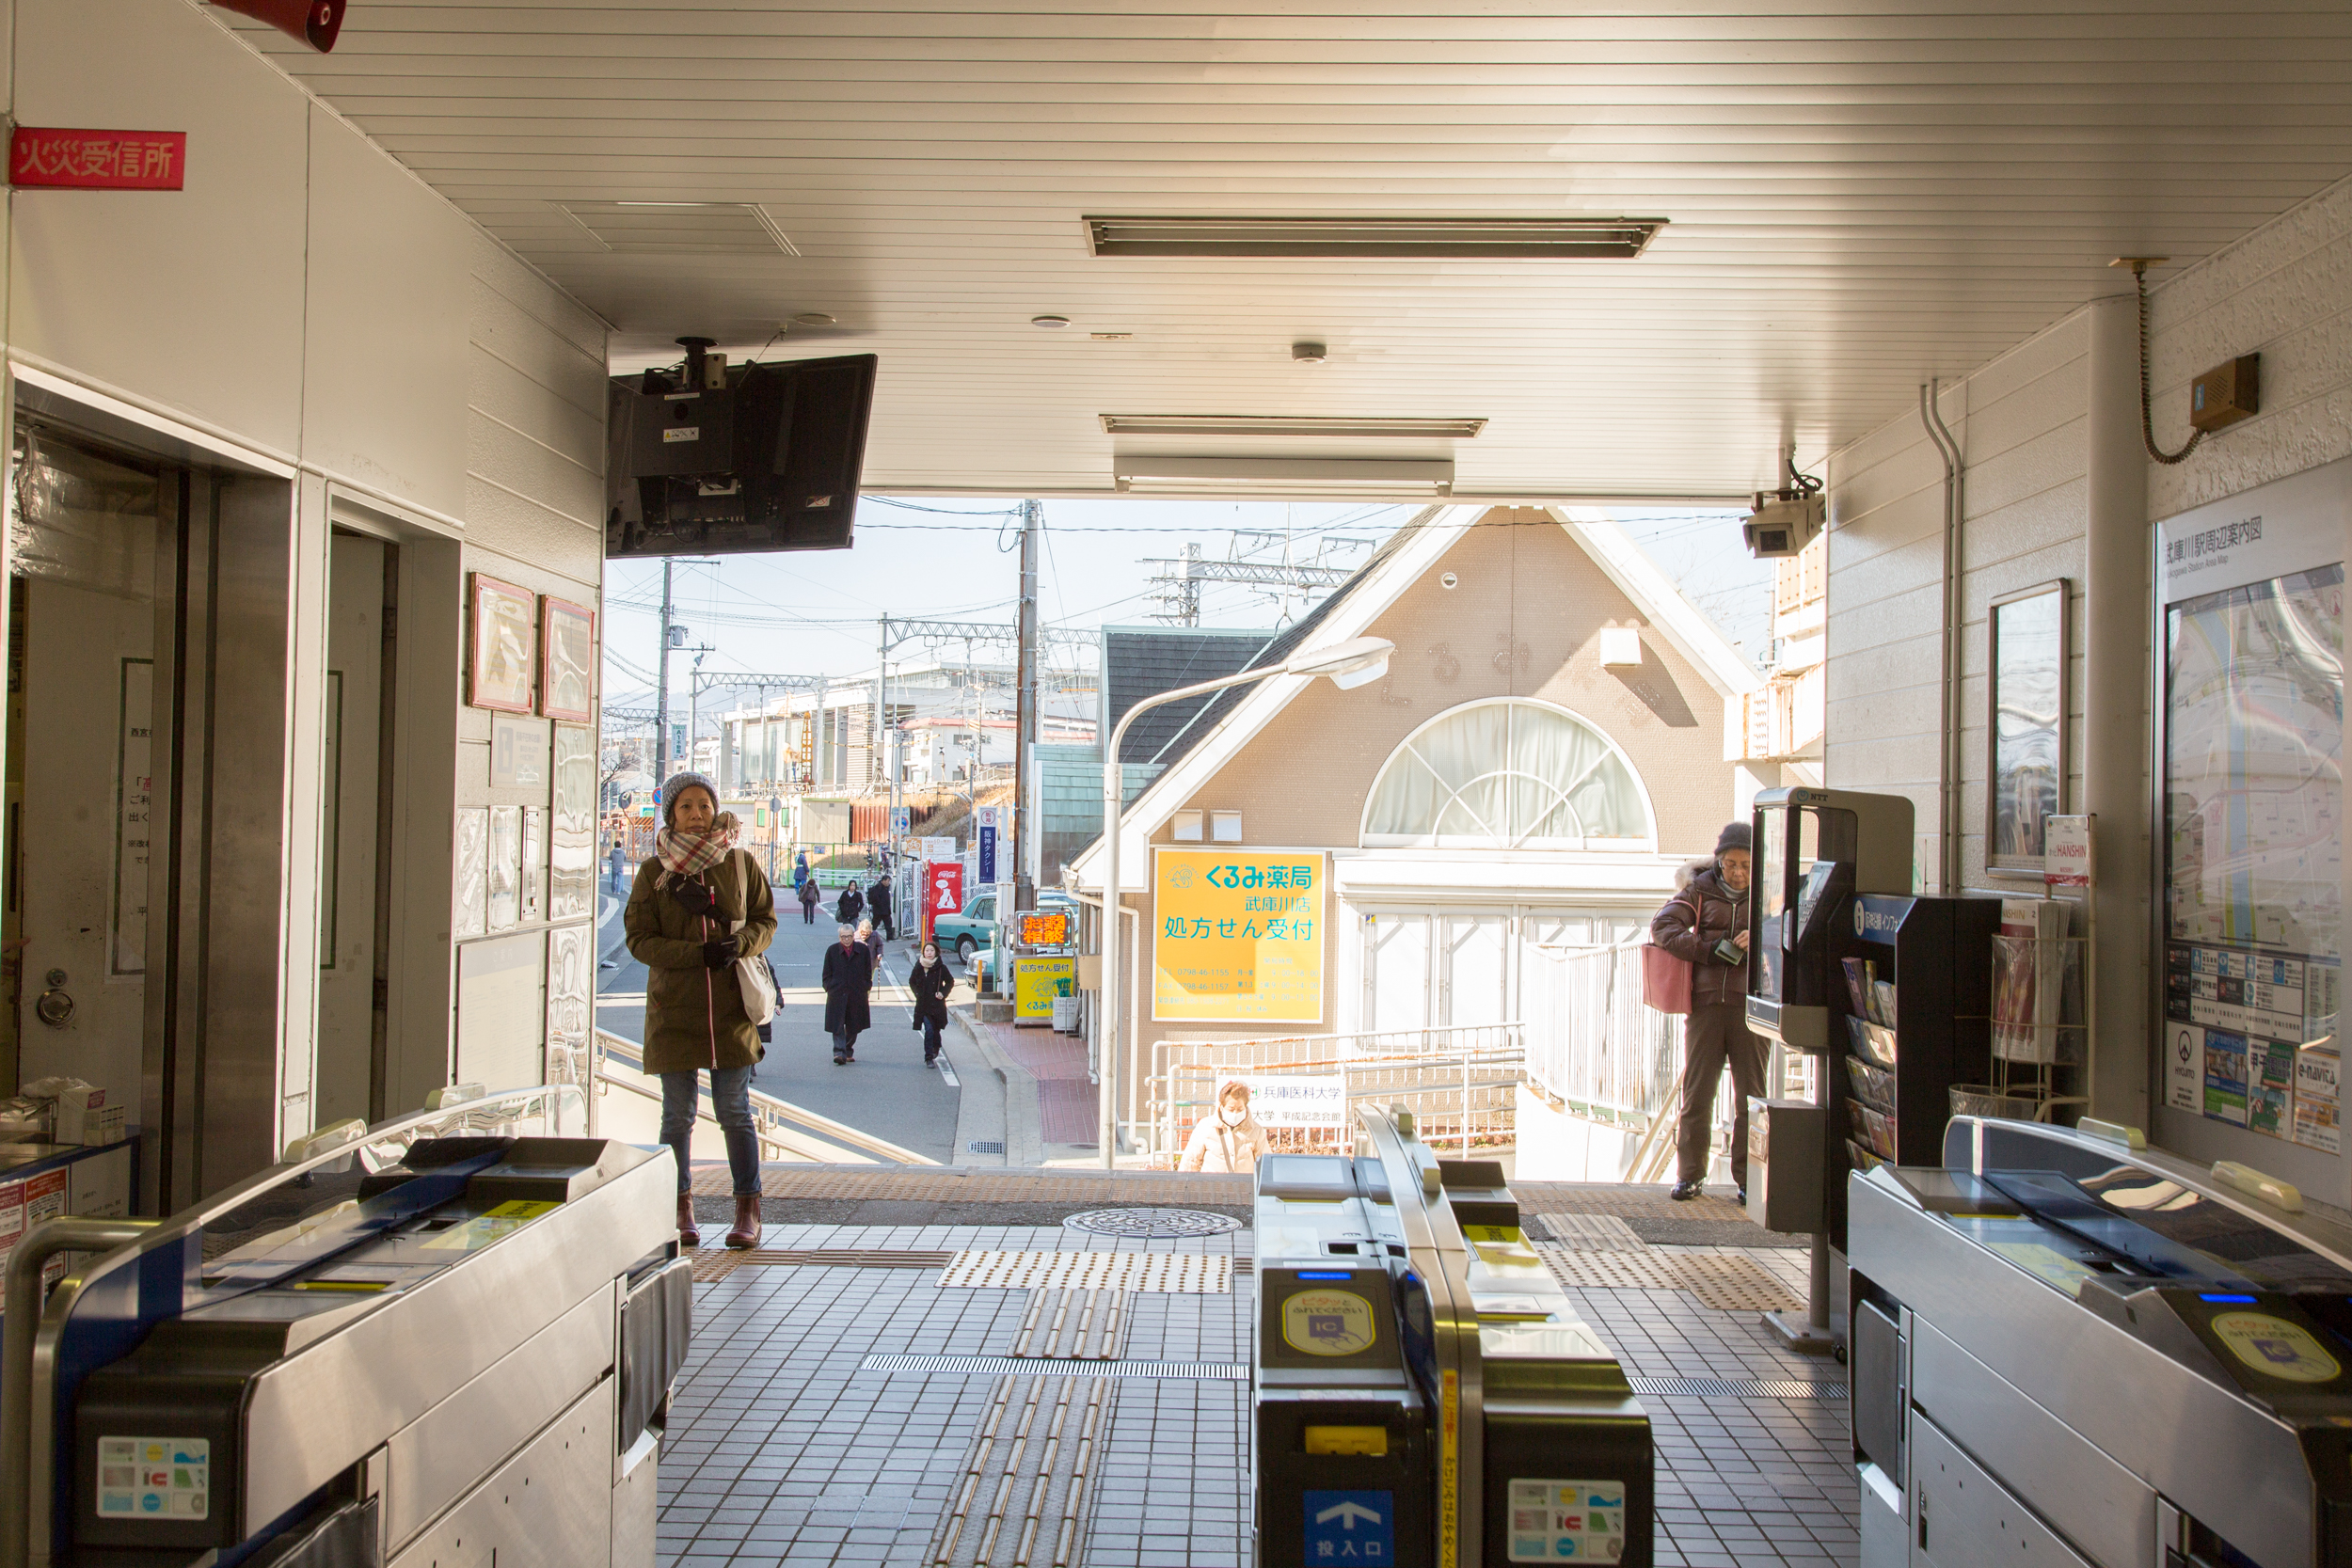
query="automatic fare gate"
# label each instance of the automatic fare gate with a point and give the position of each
(1425, 1394)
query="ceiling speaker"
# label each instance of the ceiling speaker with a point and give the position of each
(314, 22)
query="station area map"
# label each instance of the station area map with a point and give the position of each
(2254, 824)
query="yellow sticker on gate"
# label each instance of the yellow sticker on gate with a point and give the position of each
(494, 1224)
(1329, 1323)
(2276, 1348)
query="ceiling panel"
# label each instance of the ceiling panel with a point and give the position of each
(1858, 198)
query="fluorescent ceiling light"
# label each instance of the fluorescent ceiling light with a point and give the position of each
(1288, 424)
(1281, 476)
(1536, 239)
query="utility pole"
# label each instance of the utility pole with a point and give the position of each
(661, 692)
(1024, 727)
(881, 706)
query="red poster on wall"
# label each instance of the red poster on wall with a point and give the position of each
(98, 160)
(943, 890)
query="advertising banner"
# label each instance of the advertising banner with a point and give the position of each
(1293, 1100)
(1035, 984)
(943, 892)
(1238, 935)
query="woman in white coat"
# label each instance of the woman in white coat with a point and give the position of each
(1230, 1142)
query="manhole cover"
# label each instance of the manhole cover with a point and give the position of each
(1152, 1222)
(983, 1145)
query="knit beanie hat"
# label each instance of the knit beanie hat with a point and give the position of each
(679, 783)
(1734, 836)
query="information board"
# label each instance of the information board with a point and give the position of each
(1238, 934)
(1036, 981)
(2252, 763)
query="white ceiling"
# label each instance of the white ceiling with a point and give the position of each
(1860, 197)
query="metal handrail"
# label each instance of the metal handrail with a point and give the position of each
(769, 1113)
(17, 1330)
(28, 1338)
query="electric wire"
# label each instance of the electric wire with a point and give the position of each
(2147, 413)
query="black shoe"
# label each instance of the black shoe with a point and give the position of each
(841, 1061)
(1743, 1197)
(1684, 1192)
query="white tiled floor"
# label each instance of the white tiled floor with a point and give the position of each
(782, 1451)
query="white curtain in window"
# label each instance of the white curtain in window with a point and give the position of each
(1507, 773)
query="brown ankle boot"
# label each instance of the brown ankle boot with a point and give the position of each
(746, 1232)
(686, 1234)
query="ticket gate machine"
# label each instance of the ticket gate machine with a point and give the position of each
(451, 1339)
(1423, 1393)
(2073, 1354)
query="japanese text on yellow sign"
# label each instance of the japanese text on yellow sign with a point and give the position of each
(1035, 984)
(1237, 934)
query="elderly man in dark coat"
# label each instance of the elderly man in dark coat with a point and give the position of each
(848, 976)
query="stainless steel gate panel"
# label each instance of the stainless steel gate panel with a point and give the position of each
(439, 1455)
(1964, 1518)
(2102, 1507)
(549, 1507)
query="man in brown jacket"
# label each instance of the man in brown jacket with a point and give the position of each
(1705, 924)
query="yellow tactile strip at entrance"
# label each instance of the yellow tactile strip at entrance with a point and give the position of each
(1091, 1268)
(715, 1263)
(1577, 1197)
(1166, 1189)
(1725, 1281)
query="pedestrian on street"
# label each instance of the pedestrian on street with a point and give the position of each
(931, 981)
(871, 940)
(878, 905)
(800, 869)
(852, 904)
(1231, 1142)
(1705, 924)
(697, 905)
(848, 976)
(808, 899)
(620, 864)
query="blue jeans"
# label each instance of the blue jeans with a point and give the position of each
(731, 1097)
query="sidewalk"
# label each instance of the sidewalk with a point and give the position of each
(1049, 1113)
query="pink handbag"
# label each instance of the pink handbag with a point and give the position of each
(1665, 981)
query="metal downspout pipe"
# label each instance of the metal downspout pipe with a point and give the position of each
(1947, 766)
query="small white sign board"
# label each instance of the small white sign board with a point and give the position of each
(2066, 852)
(1292, 1099)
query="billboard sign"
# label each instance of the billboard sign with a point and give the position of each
(1238, 935)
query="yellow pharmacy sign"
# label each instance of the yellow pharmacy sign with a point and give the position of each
(1238, 934)
(1035, 984)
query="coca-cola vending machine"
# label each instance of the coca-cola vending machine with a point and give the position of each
(943, 890)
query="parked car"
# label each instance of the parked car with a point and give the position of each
(974, 926)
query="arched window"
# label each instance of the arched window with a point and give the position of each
(1509, 774)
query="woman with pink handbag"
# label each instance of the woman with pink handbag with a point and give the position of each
(1703, 932)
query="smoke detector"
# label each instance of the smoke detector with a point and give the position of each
(1306, 352)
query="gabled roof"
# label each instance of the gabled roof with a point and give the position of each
(1233, 718)
(1140, 662)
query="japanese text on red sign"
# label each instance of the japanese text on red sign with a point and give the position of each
(99, 160)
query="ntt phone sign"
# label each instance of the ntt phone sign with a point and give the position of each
(42, 156)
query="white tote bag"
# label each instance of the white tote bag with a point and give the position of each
(753, 974)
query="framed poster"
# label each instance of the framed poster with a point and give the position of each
(473, 871)
(535, 877)
(2025, 724)
(1238, 935)
(502, 644)
(571, 981)
(506, 867)
(571, 842)
(568, 653)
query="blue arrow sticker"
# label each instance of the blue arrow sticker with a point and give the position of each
(1356, 1527)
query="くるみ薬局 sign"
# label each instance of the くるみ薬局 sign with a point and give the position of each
(98, 160)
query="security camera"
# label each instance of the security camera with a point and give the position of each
(1783, 522)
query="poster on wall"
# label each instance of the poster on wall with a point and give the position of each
(534, 880)
(572, 978)
(473, 871)
(506, 867)
(503, 645)
(1238, 935)
(567, 651)
(571, 840)
(2252, 801)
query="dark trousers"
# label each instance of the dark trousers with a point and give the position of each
(1714, 1036)
(930, 1038)
(808, 915)
(844, 1042)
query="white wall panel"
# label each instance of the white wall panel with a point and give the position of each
(191, 300)
(385, 342)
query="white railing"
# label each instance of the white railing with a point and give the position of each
(1595, 1052)
(1459, 1082)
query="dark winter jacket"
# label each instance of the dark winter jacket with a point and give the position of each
(694, 1014)
(848, 976)
(930, 984)
(808, 893)
(877, 903)
(852, 904)
(1701, 913)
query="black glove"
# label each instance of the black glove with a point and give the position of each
(719, 954)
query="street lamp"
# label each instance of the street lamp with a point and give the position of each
(1355, 662)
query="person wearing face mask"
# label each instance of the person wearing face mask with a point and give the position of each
(1705, 924)
(697, 906)
(931, 981)
(1231, 1142)
(848, 976)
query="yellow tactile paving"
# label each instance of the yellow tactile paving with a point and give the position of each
(932, 1185)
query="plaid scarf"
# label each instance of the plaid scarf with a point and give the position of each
(685, 854)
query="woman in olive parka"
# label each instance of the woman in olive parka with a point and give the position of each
(698, 905)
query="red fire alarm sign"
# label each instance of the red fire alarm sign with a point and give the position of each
(98, 160)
